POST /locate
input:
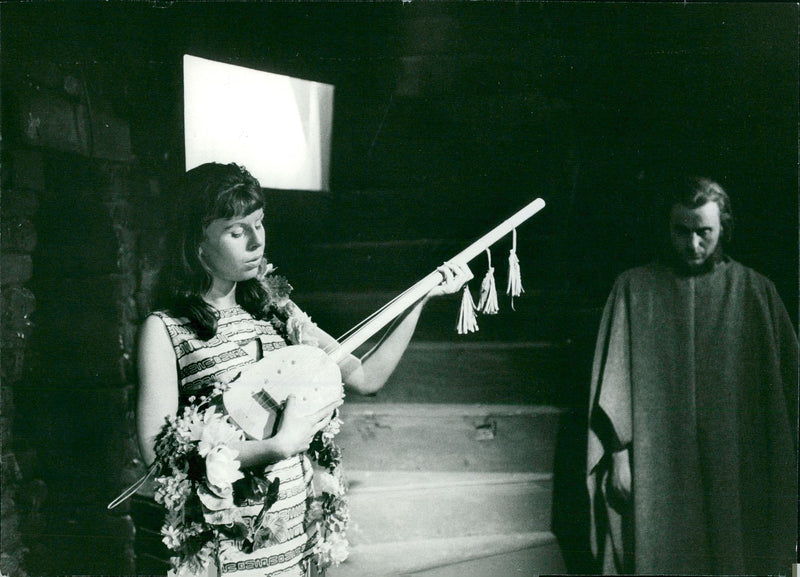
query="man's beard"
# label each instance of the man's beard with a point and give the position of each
(686, 269)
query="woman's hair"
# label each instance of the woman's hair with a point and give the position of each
(209, 192)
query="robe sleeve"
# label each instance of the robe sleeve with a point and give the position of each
(787, 352)
(610, 400)
(609, 407)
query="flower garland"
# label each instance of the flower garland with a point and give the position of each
(201, 484)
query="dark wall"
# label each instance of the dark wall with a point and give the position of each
(451, 115)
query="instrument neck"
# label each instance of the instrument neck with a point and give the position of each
(389, 312)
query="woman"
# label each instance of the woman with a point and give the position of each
(215, 313)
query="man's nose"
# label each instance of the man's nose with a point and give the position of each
(696, 241)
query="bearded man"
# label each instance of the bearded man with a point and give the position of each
(692, 454)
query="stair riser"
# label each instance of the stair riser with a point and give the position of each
(511, 375)
(449, 511)
(381, 442)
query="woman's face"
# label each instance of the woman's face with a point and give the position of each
(232, 248)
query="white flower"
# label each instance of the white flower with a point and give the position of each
(314, 512)
(214, 502)
(188, 422)
(171, 537)
(296, 325)
(219, 388)
(331, 429)
(215, 434)
(333, 550)
(276, 525)
(265, 268)
(173, 490)
(211, 429)
(195, 566)
(222, 517)
(328, 483)
(222, 468)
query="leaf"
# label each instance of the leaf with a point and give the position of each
(272, 493)
(251, 488)
(272, 497)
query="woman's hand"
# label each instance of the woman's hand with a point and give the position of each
(455, 277)
(296, 430)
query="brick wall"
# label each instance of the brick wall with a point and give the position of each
(80, 247)
(22, 184)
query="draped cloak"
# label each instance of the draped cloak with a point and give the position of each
(697, 375)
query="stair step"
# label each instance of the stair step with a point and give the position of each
(480, 372)
(433, 556)
(545, 559)
(391, 506)
(448, 437)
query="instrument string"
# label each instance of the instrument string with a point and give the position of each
(337, 345)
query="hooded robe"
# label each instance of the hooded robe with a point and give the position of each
(697, 376)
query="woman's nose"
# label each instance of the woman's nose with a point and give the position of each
(256, 240)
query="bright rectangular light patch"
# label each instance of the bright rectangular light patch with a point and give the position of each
(277, 126)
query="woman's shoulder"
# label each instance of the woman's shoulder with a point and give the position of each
(154, 329)
(166, 317)
(162, 321)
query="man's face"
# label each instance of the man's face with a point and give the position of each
(695, 233)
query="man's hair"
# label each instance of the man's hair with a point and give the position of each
(694, 192)
(210, 191)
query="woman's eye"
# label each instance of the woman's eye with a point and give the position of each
(236, 233)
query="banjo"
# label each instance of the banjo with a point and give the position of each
(255, 396)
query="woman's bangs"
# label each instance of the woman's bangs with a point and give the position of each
(239, 201)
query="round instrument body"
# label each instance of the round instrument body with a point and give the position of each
(255, 398)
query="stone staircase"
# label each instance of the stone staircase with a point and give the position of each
(449, 489)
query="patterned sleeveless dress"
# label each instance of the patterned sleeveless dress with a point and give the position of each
(200, 363)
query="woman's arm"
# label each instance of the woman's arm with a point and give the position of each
(294, 435)
(368, 375)
(158, 384)
(380, 362)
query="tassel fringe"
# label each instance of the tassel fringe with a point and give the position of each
(514, 287)
(487, 303)
(467, 321)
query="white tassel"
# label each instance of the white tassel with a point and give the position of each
(514, 275)
(487, 304)
(467, 322)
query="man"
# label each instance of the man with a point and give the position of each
(693, 416)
